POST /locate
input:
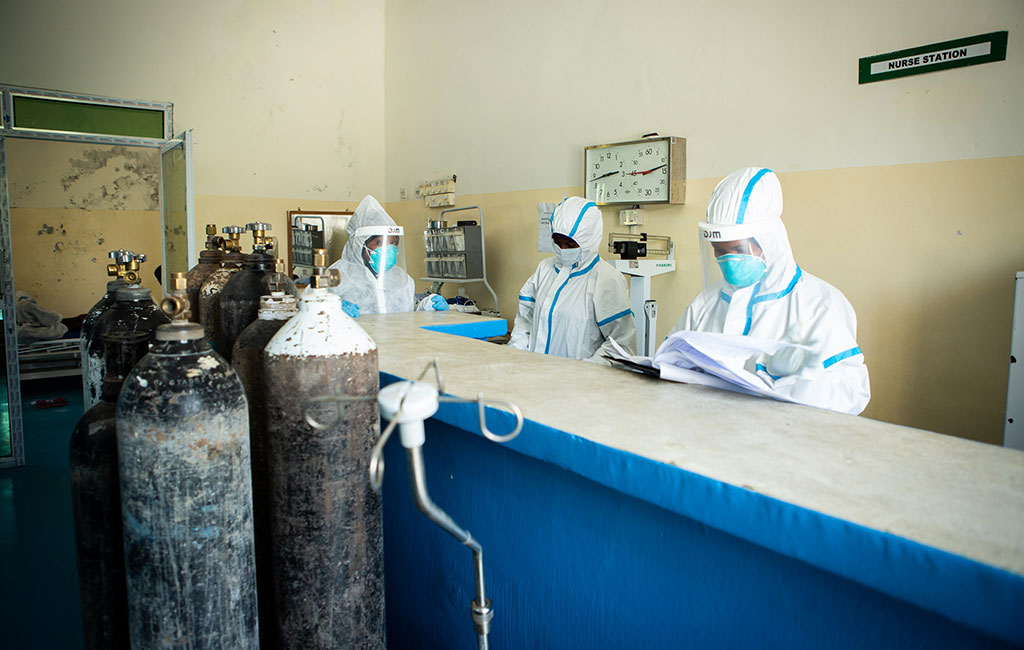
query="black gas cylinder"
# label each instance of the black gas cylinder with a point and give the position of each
(133, 311)
(186, 497)
(240, 298)
(209, 295)
(85, 334)
(96, 502)
(209, 261)
(325, 517)
(247, 360)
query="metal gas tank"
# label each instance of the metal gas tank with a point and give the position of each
(133, 311)
(186, 498)
(325, 517)
(240, 298)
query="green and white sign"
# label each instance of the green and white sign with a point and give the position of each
(972, 50)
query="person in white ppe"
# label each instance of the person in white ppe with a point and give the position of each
(759, 290)
(372, 266)
(575, 302)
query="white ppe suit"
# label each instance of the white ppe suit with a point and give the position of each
(392, 290)
(786, 304)
(572, 309)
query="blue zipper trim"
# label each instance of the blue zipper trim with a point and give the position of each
(587, 206)
(602, 323)
(551, 309)
(770, 296)
(527, 299)
(831, 361)
(746, 194)
(763, 369)
(726, 297)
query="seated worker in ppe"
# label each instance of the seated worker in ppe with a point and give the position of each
(575, 301)
(758, 290)
(372, 266)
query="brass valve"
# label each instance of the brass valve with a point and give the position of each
(260, 241)
(126, 265)
(323, 277)
(276, 282)
(176, 304)
(214, 242)
(233, 241)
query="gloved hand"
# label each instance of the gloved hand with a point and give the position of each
(438, 302)
(787, 361)
(350, 308)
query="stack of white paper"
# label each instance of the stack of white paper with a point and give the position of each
(710, 359)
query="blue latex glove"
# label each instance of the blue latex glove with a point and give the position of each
(350, 308)
(438, 302)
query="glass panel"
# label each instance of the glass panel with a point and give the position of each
(80, 117)
(175, 201)
(6, 448)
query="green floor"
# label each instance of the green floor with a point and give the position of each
(38, 580)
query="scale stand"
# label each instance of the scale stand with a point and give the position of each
(645, 309)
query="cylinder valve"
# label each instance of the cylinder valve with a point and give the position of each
(176, 304)
(233, 241)
(126, 265)
(260, 241)
(323, 277)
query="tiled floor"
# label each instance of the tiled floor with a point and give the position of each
(38, 578)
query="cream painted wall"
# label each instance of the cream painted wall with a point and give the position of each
(70, 204)
(507, 95)
(286, 99)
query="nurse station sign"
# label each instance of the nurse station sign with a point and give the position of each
(972, 50)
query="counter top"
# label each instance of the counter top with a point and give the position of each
(953, 494)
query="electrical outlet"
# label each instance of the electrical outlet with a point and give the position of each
(403, 193)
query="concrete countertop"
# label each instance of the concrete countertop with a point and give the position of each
(950, 493)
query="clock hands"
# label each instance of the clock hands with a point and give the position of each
(597, 178)
(654, 169)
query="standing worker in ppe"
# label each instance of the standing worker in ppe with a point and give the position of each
(575, 301)
(372, 266)
(753, 286)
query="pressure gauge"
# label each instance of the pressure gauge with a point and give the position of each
(651, 170)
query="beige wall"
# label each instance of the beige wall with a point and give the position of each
(286, 99)
(70, 204)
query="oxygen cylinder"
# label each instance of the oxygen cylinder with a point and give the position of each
(325, 517)
(247, 360)
(186, 499)
(133, 311)
(240, 298)
(209, 295)
(209, 261)
(124, 264)
(89, 324)
(96, 502)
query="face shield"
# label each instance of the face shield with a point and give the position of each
(732, 258)
(381, 253)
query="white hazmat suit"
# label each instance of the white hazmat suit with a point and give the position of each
(390, 291)
(575, 301)
(785, 304)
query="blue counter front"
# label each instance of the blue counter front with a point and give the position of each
(589, 545)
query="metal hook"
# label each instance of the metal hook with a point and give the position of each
(333, 399)
(377, 457)
(482, 410)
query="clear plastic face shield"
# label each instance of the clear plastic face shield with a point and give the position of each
(381, 251)
(731, 257)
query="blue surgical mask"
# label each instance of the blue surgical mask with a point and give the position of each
(568, 256)
(390, 255)
(742, 270)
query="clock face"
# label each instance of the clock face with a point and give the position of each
(631, 172)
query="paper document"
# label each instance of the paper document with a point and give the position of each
(544, 212)
(708, 359)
